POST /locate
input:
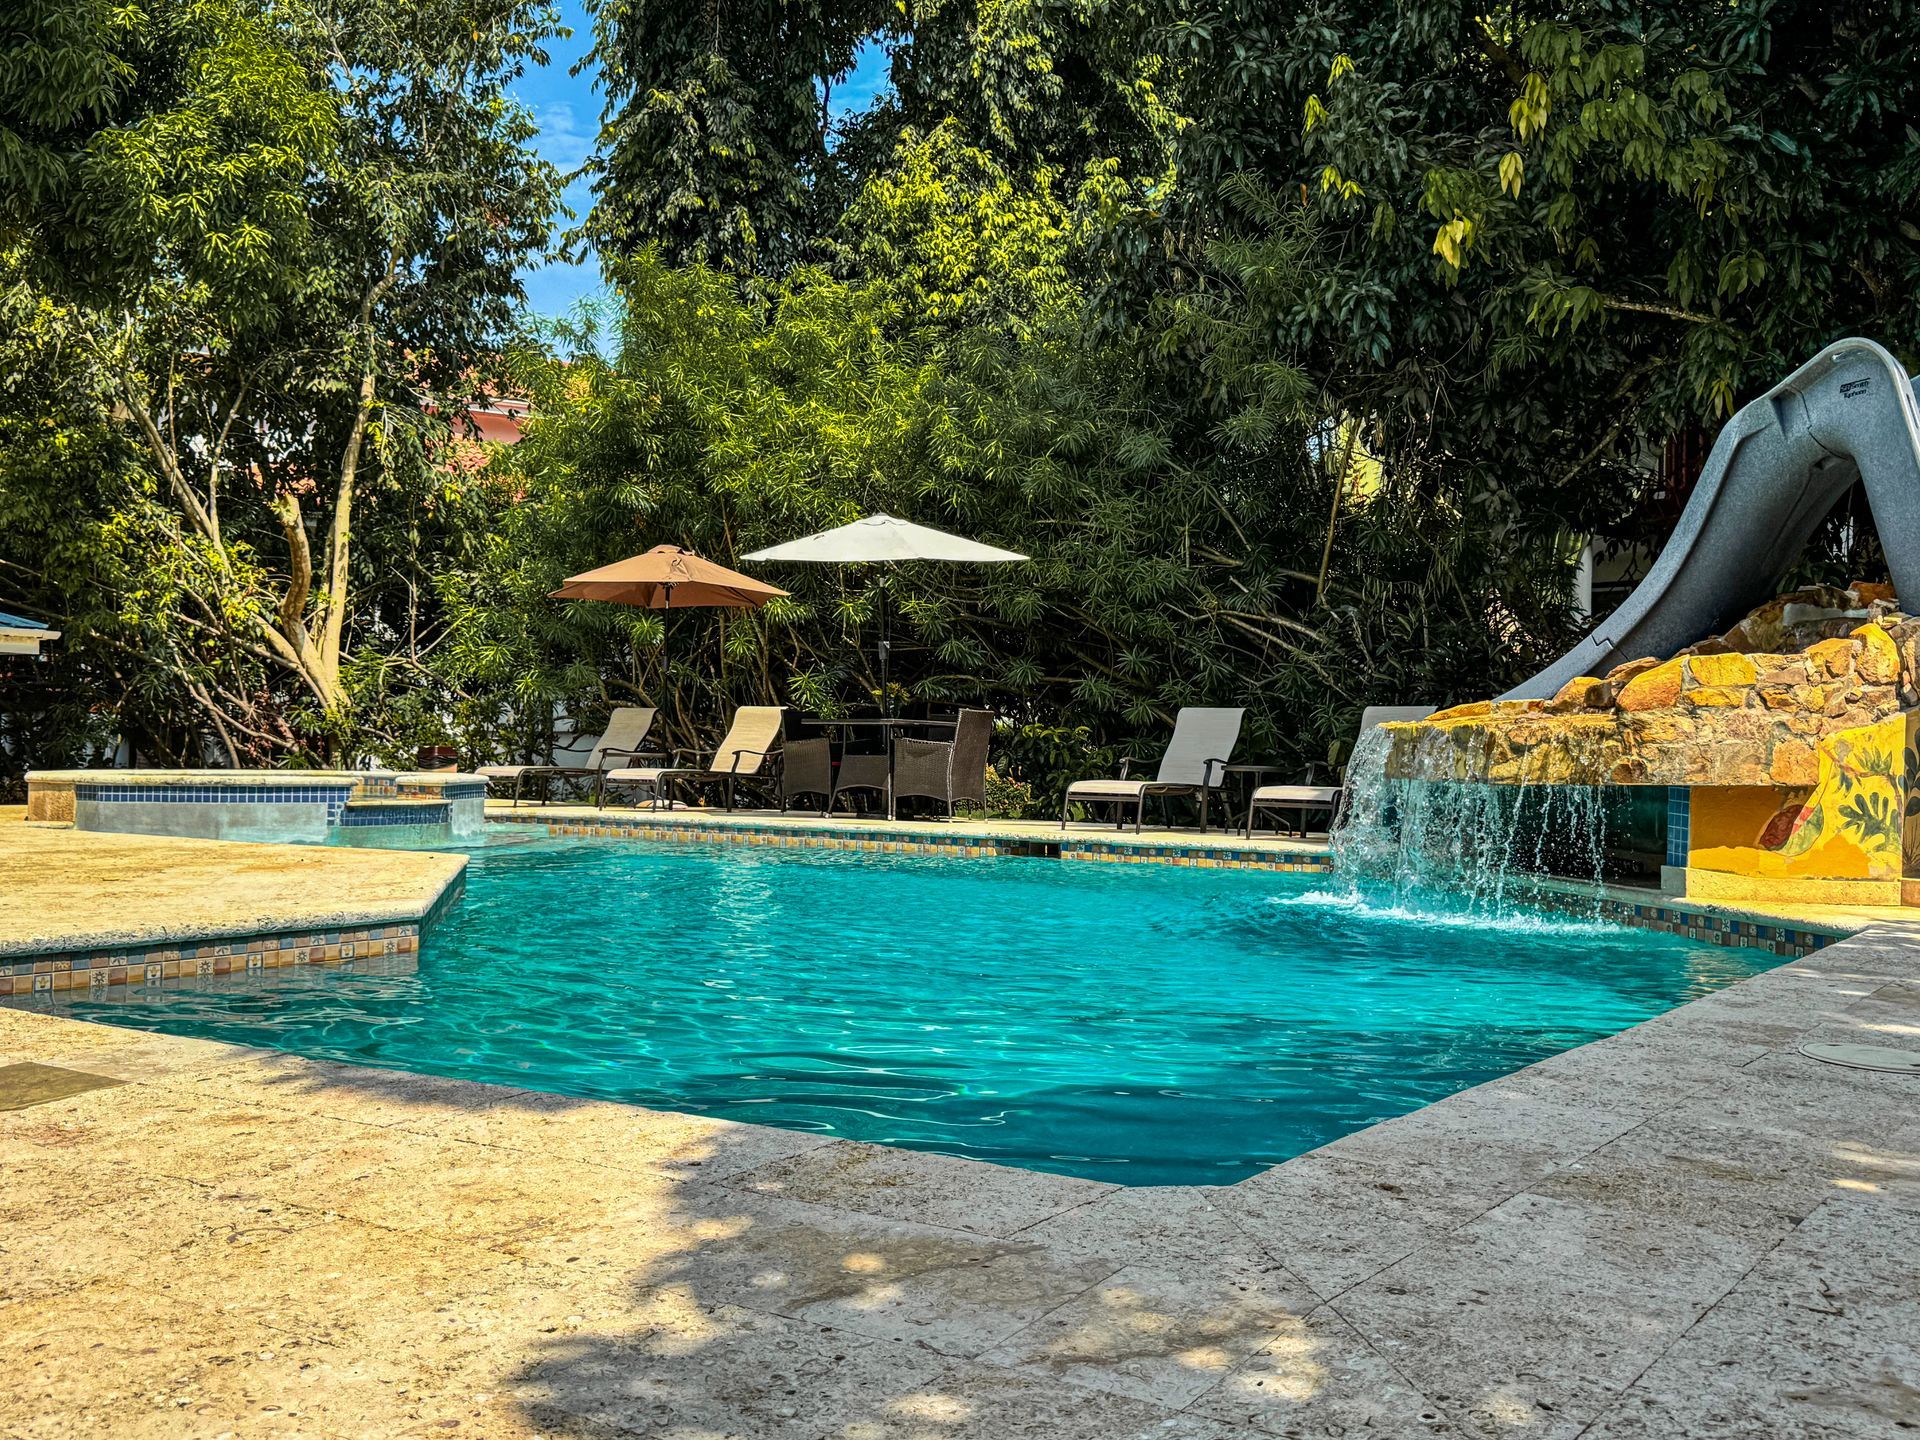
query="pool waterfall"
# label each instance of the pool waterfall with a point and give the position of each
(1427, 840)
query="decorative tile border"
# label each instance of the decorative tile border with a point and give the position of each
(333, 796)
(890, 842)
(1199, 855)
(157, 962)
(1780, 937)
(215, 793)
(916, 842)
(1691, 922)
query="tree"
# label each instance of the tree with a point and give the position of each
(716, 132)
(287, 239)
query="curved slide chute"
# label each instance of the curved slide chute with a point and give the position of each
(1850, 413)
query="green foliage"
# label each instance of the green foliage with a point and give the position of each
(1010, 798)
(715, 137)
(268, 255)
(954, 239)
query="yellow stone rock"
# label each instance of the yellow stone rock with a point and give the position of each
(1722, 695)
(1879, 662)
(1653, 689)
(1583, 692)
(1722, 670)
(1833, 657)
(1794, 763)
(1780, 670)
(1660, 731)
(1472, 710)
(1812, 698)
(1621, 674)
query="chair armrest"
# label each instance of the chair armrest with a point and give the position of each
(1126, 764)
(1206, 774)
(736, 754)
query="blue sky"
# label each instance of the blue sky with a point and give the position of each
(567, 108)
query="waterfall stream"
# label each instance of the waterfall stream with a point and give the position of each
(1426, 842)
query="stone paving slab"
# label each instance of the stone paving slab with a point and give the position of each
(1688, 1230)
(69, 889)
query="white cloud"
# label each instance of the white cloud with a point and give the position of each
(565, 138)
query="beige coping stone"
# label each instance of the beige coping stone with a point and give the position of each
(67, 889)
(1689, 1231)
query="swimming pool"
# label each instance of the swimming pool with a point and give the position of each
(1140, 1024)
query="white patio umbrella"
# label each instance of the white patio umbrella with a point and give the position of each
(884, 540)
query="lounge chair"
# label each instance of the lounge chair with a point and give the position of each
(951, 771)
(753, 737)
(1304, 799)
(626, 732)
(1195, 764)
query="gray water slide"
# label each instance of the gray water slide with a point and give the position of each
(1850, 413)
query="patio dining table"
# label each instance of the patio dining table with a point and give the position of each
(889, 726)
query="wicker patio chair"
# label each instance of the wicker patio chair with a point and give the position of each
(752, 739)
(857, 771)
(1303, 800)
(626, 732)
(1194, 765)
(952, 771)
(806, 768)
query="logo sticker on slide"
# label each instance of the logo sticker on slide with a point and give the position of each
(1852, 388)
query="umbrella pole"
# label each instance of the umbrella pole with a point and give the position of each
(666, 678)
(886, 653)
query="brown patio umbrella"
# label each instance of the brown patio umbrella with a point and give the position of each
(669, 578)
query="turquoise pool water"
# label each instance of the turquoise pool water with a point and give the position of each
(1141, 1024)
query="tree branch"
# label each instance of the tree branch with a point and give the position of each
(1648, 307)
(340, 536)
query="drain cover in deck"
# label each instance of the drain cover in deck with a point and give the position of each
(31, 1084)
(1867, 1057)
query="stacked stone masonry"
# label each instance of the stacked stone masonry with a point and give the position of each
(1794, 733)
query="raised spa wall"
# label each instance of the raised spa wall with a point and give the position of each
(314, 807)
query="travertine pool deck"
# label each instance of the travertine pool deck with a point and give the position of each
(66, 889)
(1689, 1229)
